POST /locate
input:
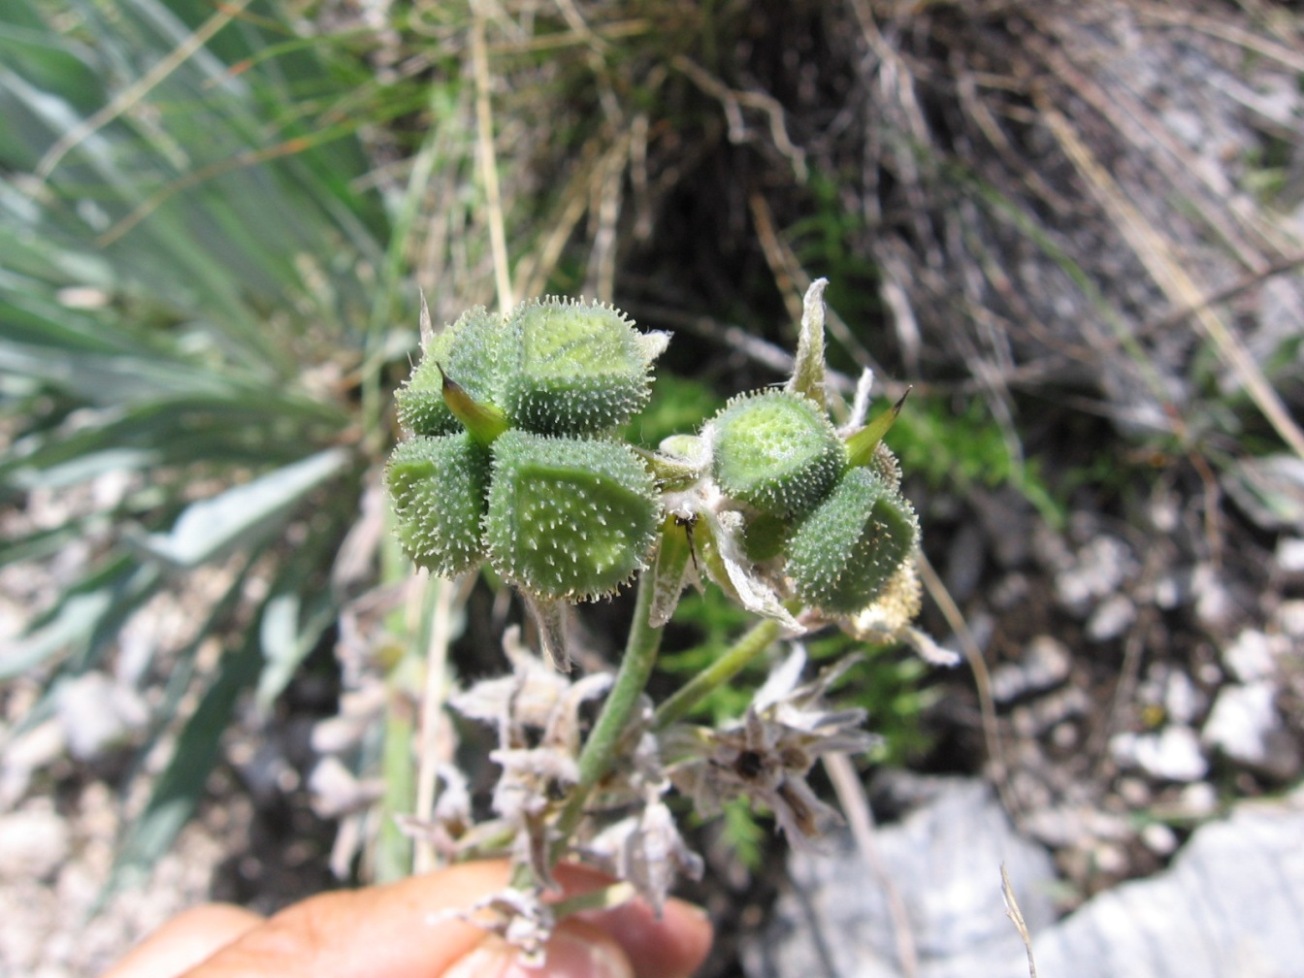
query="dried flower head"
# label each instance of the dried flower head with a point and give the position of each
(536, 712)
(646, 850)
(767, 755)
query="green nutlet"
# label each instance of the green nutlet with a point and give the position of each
(578, 368)
(438, 487)
(847, 549)
(470, 351)
(568, 518)
(777, 452)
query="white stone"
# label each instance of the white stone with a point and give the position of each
(1045, 663)
(1290, 619)
(1111, 619)
(1290, 556)
(1214, 605)
(1183, 700)
(1198, 800)
(97, 714)
(33, 843)
(1244, 725)
(1100, 569)
(1171, 754)
(1159, 838)
(1250, 656)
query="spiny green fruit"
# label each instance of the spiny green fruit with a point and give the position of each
(844, 552)
(568, 518)
(471, 352)
(579, 368)
(438, 488)
(776, 451)
(885, 465)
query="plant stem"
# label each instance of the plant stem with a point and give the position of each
(757, 640)
(600, 748)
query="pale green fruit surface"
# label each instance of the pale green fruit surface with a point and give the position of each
(568, 518)
(437, 487)
(579, 368)
(776, 451)
(844, 552)
(471, 351)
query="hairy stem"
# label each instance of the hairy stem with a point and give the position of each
(733, 661)
(600, 748)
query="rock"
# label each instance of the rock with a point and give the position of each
(1290, 618)
(1159, 838)
(1099, 569)
(26, 754)
(1250, 657)
(1289, 557)
(98, 714)
(1037, 717)
(1215, 607)
(1173, 690)
(1229, 905)
(1111, 619)
(1068, 825)
(1171, 754)
(945, 861)
(33, 843)
(1269, 489)
(1045, 663)
(1245, 726)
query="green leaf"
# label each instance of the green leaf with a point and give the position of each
(808, 373)
(244, 514)
(179, 788)
(287, 637)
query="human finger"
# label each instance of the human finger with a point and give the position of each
(404, 930)
(672, 945)
(185, 941)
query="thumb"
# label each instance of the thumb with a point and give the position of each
(575, 950)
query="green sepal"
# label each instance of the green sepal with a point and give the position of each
(675, 567)
(437, 488)
(847, 549)
(809, 370)
(776, 451)
(482, 420)
(673, 473)
(577, 368)
(863, 444)
(568, 518)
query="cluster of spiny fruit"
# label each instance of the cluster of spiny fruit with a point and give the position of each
(513, 457)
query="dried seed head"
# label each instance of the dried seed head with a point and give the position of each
(438, 487)
(470, 352)
(776, 451)
(568, 518)
(578, 368)
(847, 549)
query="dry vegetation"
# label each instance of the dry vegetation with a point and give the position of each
(1075, 229)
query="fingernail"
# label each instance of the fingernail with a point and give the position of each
(573, 956)
(487, 960)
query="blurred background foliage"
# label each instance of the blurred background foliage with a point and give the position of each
(215, 219)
